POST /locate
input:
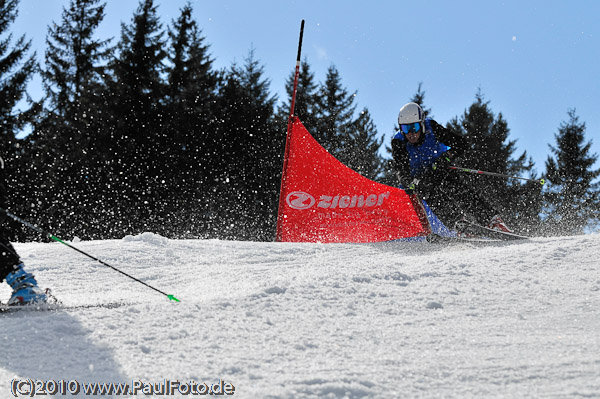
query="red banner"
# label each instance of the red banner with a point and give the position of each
(322, 200)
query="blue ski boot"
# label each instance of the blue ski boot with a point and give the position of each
(25, 288)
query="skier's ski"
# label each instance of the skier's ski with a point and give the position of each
(52, 302)
(439, 239)
(468, 227)
(107, 305)
(39, 307)
(5, 308)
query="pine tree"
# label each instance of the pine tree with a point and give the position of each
(572, 199)
(419, 98)
(306, 98)
(335, 114)
(138, 141)
(16, 69)
(490, 150)
(75, 60)
(251, 150)
(362, 149)
(190, 122)
(64, 139)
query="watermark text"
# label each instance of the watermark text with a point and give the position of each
(29, 387)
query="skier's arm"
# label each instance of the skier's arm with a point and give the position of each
(458, 143)
(439, 169)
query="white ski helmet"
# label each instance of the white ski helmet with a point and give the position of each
(410, 113)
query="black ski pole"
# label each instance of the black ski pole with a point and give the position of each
(53, 237)
(481, 172)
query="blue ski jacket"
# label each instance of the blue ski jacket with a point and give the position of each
(416, 160)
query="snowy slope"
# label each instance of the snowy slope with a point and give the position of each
(281, 320)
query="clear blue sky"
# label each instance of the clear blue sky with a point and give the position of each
(533, 60)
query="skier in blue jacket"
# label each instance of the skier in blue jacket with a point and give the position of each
(24, 286)
(423, 151)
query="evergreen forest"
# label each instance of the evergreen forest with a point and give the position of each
(142, 133)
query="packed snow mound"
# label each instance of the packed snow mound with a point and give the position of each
(149, 238)
(290, 320)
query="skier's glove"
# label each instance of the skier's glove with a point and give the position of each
(411, 187)
(442, 164)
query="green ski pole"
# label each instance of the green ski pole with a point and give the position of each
(53, 237)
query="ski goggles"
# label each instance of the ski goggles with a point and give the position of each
(410, 127)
